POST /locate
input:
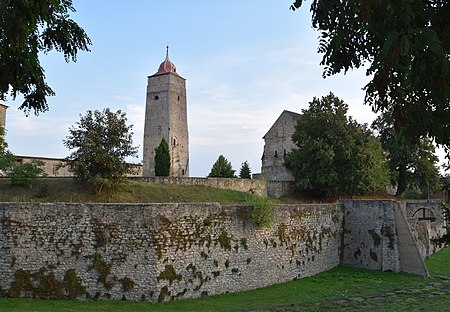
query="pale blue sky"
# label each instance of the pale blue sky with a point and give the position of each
(244, 63)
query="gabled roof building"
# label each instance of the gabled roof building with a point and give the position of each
(277, 144)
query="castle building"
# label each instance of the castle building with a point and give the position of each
(277, 144)
(166, 117)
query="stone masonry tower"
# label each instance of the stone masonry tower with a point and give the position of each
(3, 116)
(166, 117)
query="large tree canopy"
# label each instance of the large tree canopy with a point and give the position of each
(335, 154)
(28, 27)
(412, 164)
(101, 142)
(406, 43)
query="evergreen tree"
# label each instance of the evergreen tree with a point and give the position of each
(162, 159)
(244, 172)
(222, 169)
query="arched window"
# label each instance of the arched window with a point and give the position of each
(423, 214)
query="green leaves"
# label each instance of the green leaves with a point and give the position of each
(162, 159)
(263, 213)
(334, 154)
(24, 174)
(407, 45)
(27, 28)
(244, 172)
(101, 142)
(222, 169)
(412, 164)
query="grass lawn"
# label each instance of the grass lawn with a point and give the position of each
(340, 289)
(68, 190)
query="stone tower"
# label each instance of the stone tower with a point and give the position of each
(166, 117)
(3, 116)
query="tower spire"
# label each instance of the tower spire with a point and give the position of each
(167, 66)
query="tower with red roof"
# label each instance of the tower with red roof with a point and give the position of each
(166, 117)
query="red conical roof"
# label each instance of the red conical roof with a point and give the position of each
(167, 66)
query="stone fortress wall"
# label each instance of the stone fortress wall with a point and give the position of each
(252, 186)
(160, 252)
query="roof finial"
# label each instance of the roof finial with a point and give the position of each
(167, 51)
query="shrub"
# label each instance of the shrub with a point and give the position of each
(23, 175)
(263, 214)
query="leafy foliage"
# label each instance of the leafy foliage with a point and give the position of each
(335, 154)
(413, 165)
(407, 45)
(101, 141)
(28, 28)
(24, 174)
(244, 172)
(222, 169)
(162, 159)
(263, 214)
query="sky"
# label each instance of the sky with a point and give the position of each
(244, 63)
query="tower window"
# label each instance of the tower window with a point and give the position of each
(276, 154)
(174, 141)
(156, 97)
(178, 98)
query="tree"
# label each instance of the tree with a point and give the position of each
(412, 164)
(26, 29)
(244, 172)
(407, 45)
(222, 169)
(23, 175)
(334, 154)
(162, 159)
(101, 141)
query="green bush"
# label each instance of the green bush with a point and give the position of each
(412, 193)
(24, 174)
(263, 214)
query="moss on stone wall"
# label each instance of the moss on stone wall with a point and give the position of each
(375, 237)
(127, 284)
(43, 284)
(224, 240)
(74, 288)
(103, 269)
(169, 274)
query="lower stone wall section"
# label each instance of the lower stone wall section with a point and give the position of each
(370, 239)
(278, 189)
(159, 252)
